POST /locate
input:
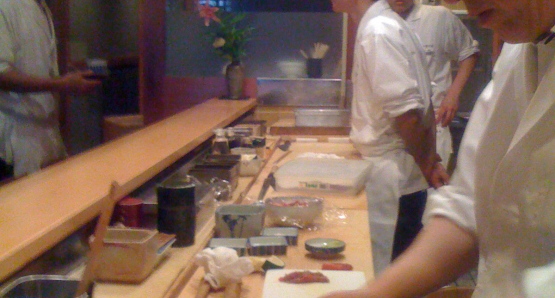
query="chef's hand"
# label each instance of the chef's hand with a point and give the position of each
(447, 110)
(438, 176)
(77, 82)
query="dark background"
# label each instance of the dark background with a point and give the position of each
(274, 5)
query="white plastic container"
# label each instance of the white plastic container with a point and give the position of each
(323, 175)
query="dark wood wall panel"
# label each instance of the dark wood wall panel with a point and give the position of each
(152, 49)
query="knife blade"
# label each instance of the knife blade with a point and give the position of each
(269, 181)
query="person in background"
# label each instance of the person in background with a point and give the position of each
(445, 38)
(499, 208)
(392, 125)
(29, 130)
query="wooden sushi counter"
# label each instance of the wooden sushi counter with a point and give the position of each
(75, 191)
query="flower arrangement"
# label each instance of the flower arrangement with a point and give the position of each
(227, 38)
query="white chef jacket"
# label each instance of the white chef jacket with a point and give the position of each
(29, 132)
(389, 79)
(504, 186)
(444, 38)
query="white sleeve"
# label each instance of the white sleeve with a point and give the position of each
(539, 282)
(456, 200)
(7, 55)
(387, 63)
(459, 41)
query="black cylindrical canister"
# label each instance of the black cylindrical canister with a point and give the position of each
(314, 68)
(176, 210)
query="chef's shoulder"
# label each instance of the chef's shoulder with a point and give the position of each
(15, 8)
(437, 12)
(10, 5)
(382, 25)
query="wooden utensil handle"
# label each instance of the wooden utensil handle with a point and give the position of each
(232, 290)
(98, 241)
(203, 289)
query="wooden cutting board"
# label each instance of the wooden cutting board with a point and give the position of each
(339, 280)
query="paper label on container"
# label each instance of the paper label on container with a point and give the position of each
(318, 185)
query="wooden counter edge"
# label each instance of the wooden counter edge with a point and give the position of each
(79, 194)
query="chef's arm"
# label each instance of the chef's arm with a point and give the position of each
(450, 103)
(440, 253)
(418, 132)
(74, 82)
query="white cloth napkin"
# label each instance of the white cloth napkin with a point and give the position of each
(222, 266)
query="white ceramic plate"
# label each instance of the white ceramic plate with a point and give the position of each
(339, 280)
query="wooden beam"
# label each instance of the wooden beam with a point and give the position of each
(152, 58)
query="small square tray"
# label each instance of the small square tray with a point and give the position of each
(239, 244)
(267, 245)
(291, 234)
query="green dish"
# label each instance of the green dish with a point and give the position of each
(324, 247)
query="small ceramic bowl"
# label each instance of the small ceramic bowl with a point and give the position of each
(324, 247)
(295, 211)
(292, 69)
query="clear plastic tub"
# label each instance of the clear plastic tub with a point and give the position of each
(123, 248)
(323, 175)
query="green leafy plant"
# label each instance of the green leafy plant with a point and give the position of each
(227, 36)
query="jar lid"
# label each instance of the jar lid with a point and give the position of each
(130, 201)
(177, 191)
(178, 182)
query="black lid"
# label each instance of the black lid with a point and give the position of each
(177, 191)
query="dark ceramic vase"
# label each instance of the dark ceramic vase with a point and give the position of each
(234, 76)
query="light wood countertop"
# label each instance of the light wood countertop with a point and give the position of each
(353, 228)
(178, 276)
(357, 253)
(39, 210)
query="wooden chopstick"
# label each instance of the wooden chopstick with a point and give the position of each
(203, 289)
(233, 290)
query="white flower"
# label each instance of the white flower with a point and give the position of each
(218, 42)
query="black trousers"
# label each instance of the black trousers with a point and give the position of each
(6, 170)
(409, 221)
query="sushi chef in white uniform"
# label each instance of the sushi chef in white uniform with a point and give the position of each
(499, 208)
(444, 38)
(392, 126)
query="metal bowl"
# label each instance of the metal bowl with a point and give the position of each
(296, 211)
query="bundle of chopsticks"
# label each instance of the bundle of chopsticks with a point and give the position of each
(317, 52)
